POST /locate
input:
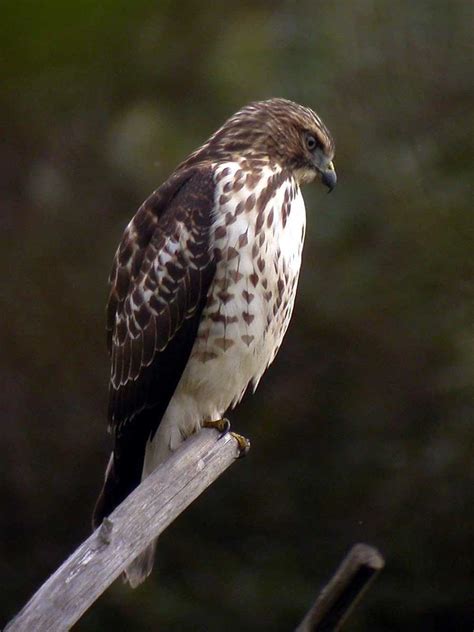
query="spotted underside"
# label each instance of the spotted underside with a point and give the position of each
(256, 239)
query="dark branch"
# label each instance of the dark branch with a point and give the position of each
(340, 595)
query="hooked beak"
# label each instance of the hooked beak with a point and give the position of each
(329, 177)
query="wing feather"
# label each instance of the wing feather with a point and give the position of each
(159, 282)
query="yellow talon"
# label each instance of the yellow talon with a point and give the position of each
(243, 443)
(222, 425)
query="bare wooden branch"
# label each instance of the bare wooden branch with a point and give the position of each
(85, 575)
(339, 596)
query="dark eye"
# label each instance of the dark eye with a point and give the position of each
(311, 142)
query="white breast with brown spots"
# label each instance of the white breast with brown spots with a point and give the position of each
(257, 240)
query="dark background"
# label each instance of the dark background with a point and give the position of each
(362, 430)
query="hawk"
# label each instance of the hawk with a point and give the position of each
(203, 285)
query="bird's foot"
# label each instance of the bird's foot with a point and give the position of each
(243, 443)
(222, 425)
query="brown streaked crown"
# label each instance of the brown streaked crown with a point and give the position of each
(275, 129)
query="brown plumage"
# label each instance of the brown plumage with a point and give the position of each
(203, 285)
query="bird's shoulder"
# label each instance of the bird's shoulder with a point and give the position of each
(158, 286)
(174, 219)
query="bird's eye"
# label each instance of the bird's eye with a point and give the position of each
(311, 142)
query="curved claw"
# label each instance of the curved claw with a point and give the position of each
(223, 426)
(243, 443)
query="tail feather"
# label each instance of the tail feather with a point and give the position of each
(128, 466)
(124, 470)
(112, 494)
(114, 490)
(141, 567)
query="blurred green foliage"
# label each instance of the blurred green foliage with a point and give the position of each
(362, 430)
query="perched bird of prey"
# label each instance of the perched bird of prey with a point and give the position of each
(203, 285)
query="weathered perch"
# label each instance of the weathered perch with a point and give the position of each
(343, 591)
(86, 574)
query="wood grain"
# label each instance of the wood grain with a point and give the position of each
(149, 509)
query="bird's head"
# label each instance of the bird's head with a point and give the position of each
(282, 131)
